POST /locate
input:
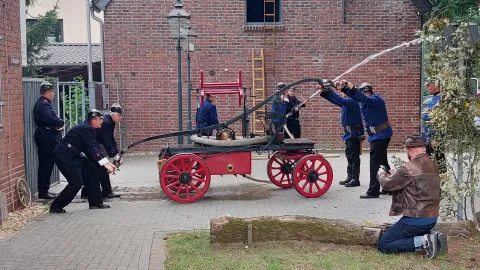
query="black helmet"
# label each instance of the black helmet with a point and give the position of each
(45, 86)
(116, 108)
(366, 87)
(93, 113)
(280, 85)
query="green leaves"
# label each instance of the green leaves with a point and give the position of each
(453, 118)
(37, 40)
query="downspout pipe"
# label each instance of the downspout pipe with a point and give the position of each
(101, 42)
(91, 83)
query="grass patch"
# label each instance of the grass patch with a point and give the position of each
(194, 251)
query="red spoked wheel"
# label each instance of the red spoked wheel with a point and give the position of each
(313, 176)
(185, 178)
(280, 171)
(184, 188)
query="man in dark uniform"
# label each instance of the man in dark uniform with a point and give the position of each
(71, 158)
(351, 119)
(208, 114)
(106, 137)
(379, 131)
(293, 124)
(47, 136)
(279, 108)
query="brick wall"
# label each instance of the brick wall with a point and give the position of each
(313, 42)
(11, 143)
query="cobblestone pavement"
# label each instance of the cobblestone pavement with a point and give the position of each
(127, 236)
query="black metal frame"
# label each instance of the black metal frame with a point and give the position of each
(242, 116)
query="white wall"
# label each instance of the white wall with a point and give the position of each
(73, 13)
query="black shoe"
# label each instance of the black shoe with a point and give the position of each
(348, 179)
(100, 206)
(57, 211)
(46, 197)
(353, 183)
(345, 181)
(111, 196)
(368, 196)
(383, 192)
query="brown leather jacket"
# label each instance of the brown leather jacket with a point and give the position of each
(415, 187)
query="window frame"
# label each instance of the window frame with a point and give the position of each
(279, 15)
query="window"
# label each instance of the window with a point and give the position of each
(56, 35)
(256, 14)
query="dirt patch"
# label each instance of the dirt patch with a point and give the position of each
(18, 219)
(239, 193)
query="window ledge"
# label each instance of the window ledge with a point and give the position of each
(260, 27)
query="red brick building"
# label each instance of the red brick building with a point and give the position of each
(11, 98)
(312, 40)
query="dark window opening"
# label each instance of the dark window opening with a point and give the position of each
(56, 35)
(256, 14)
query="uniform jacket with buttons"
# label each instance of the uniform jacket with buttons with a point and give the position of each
(374, 113)
(82, 138)
(427, 130)
(106, 136)
(46, 121)
(350, 116)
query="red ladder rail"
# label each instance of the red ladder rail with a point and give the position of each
(227, 88)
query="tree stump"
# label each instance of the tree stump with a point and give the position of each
(235, 230)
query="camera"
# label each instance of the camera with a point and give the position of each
(383, 167)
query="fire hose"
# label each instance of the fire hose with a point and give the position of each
(325, 83)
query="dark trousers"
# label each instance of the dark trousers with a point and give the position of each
(293, 126)
(78, 176)
(352, 153)
(439, 158)
(378, 156)
(45, 164)
(103, 178)
(399, 237)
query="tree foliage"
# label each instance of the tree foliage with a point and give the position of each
(453, 119)
(456, 10)
(37, 40)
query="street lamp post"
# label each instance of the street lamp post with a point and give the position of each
(190, 40)
(179, 20)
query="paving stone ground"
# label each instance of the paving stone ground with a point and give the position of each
(130, 234)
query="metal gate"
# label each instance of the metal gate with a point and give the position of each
(72, 103)
(31, 93)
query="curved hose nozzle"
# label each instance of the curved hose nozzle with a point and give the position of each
(327, 83)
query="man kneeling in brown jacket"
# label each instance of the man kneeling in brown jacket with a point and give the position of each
(416, 196)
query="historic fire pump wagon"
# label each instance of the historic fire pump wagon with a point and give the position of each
(186, 170)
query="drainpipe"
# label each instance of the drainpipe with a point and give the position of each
(101, 43)
(91, 83)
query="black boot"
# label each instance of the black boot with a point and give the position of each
(355, 182)
(349, 178)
